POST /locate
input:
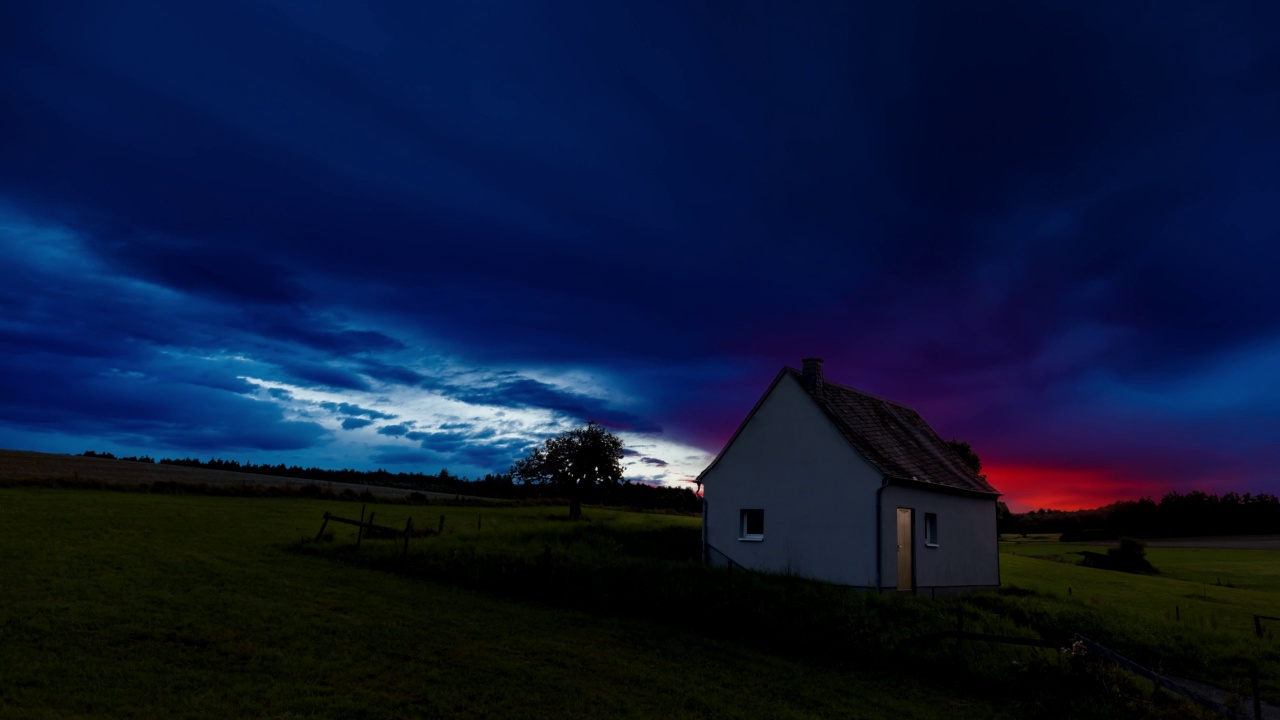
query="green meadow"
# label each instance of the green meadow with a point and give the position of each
(1194, 618)
(1244, 569)
(132, 604)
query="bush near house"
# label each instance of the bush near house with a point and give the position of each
(1130, 556)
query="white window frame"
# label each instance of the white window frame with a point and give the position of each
(743, 535)
(931, 530)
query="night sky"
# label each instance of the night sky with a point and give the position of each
(432, 234)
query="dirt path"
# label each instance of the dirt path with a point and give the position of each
(1244, 703)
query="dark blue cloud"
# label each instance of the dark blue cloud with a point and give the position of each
(314, 373)
(352, 423)
(524, 392)
(474, 453)
(355, 411)
(393, 430)
(988, 212)
(297, 328)
(54, 343)
(390, 373)
(226, 273)
(481, 450)
(143, 411)
(444, 442)
(415, 458)
(497, 455)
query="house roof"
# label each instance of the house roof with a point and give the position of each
(894, 438)
(890, 436)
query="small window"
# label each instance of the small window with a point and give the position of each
(752, 527)
(931, 529)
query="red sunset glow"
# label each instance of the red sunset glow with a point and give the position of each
(1031, 487)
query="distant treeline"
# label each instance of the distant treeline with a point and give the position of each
(499, 485)
(1174, 515)
(442, 481)
(625, 494)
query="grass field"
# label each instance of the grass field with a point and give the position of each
(143, 605)
(1176, 622)
(1244, 569)
(1194, 618)
(134, 605)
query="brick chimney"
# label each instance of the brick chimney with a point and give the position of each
(811, 375)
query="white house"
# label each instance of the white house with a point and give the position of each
(835, 484)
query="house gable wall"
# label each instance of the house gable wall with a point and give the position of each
(818, 494)
(966, 555)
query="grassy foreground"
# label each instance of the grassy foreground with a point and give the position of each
(148, 605)
(130, 605)
(645, 565)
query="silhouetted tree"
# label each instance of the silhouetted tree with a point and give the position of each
(573, 462)
(1002, 518)
(966, 453)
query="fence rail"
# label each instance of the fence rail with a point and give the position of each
(728, 562)
(364, 526)
(1154, 677)
(1105, 653)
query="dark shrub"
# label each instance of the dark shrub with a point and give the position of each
(1131, 556)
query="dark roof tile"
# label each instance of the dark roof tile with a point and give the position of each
(895, 439)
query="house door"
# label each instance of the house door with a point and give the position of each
(906, 567)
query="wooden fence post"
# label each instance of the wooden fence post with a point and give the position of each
(408, 531)
(440, 530)
(1257, 698)
(323, 525)
(371, 515)
(360, 528)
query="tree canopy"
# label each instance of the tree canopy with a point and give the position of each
(967, 454)
(573, 462)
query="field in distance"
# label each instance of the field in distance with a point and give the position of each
(1245, 562)
(1218, 542)
(17, 466)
